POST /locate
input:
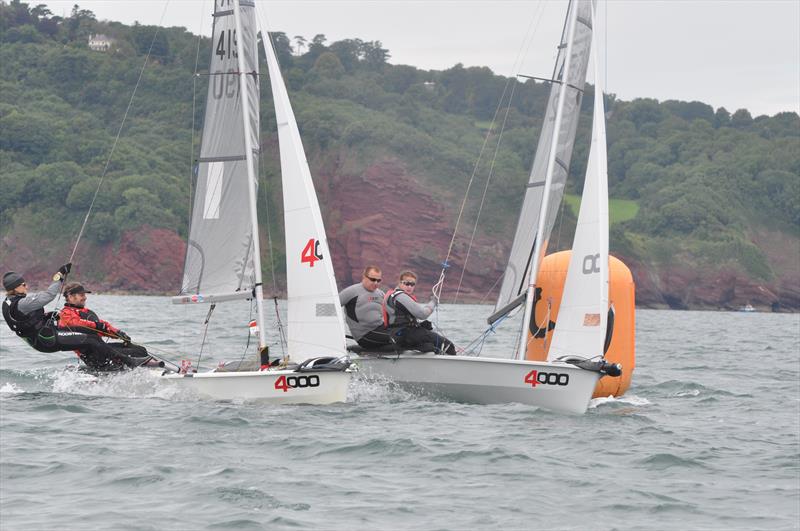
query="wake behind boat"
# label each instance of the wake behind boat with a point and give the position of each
(563, 347)
(223, 256)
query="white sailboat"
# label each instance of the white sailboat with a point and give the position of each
(566, 380)
(223, 257)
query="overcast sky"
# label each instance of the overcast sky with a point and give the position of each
(731, 53)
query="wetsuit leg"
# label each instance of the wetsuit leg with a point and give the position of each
(418, 338)
(375, 339)
(131, 355)
(93, 351)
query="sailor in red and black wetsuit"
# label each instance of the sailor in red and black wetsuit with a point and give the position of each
(76, 317)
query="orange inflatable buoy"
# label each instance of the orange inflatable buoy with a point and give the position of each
(621, 293)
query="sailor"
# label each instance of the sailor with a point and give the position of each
(25, 316)
(24, 313)
(363, 309)
(406, 322)
(76, 317)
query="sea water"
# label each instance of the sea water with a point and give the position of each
(707, 437)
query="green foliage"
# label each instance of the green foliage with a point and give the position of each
(687, 180)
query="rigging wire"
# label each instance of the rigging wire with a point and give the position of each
(281, 328)
(192, 160)
(110, 154)
(485, 190)
(205, 334)
(521, 55)
(119, 132)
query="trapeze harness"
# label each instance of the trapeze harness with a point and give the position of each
(36, 328)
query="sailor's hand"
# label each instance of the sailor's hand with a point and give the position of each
(63, 271)
(101, 327)
(123, 336)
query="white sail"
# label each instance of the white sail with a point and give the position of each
(517, 273)
(219, 255)
(315, 320)
(582, 317)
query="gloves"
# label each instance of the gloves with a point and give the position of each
(63, 271)
(123, 336)
(427, 325)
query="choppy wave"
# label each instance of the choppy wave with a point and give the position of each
(700, 441)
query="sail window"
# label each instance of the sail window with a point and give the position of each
(213, 190)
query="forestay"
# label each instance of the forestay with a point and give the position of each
(515, 277)
(219, 255)
(315, 319)
(582, 316)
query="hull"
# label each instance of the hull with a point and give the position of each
(554, 386)
(274, 387)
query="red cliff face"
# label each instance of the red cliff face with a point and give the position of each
(386, 217)
(145, 260)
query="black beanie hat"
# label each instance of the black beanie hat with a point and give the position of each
(12, 280)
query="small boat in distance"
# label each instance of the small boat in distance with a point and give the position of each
(747, 308)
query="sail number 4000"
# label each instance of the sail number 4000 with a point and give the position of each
(535, 378)
(284, 383)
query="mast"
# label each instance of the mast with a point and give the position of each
(251, 177)
(537, 248)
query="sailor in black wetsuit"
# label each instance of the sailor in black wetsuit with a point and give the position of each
(406, 321)
(25, 316)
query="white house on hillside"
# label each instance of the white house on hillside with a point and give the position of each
(101, 43)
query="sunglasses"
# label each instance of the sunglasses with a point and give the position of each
(378, 280)
(409, 283)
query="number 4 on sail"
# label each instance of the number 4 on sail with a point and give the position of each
(223, 256)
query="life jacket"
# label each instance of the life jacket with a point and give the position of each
(81, 317)
(401, 315)
(35, 328)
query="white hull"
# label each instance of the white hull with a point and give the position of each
(556, 386)
(274, 387)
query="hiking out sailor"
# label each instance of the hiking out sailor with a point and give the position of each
(24, 312)
(363, 309)
(25, 316)
(406, 322)
(76, 317)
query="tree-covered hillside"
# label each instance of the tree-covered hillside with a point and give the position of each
(708, 195)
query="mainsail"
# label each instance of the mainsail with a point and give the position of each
(582, 316)
(219, 255)
(315, 319)
(517, 273)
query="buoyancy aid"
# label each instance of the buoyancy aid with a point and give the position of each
(34, 327)
(76, 316)
(402, 317)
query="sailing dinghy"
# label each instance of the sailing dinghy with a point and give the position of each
(223, 258)
(566, 380)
